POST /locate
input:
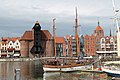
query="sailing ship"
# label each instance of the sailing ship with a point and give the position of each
(56, 65)
(112, 70)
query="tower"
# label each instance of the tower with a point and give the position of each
(37, 39)
(98, 31)
(110, 33)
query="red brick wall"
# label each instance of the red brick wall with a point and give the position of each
(24, 48)
(90, 45)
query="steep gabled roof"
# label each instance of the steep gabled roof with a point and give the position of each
(27, 36)
(46, 34)
(14, 39)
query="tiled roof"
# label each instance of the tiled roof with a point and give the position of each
(10, 39)
(60, 40)
(14, 39)
(46, 34)
(98, 28)
(27, 36)
(4, 39)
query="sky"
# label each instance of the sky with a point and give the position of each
(17, 16)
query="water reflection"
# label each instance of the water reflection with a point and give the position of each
(28, 70)
(75, 76)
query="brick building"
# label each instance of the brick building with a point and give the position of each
(46, 43)
(60, 46)
(92, 42)
(27, 42)
(90, 45)
(71, 45)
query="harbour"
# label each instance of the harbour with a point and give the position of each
(30, 70)
(40, 54)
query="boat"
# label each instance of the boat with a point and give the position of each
(57, 65)
(112, 71)
(64, 67)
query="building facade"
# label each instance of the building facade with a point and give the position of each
(71, 45)
(10, 47)
(60, 47)
(92, 42)
(46, 43)
(108, 47)
(90, 45)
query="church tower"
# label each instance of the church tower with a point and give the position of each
(98, 31)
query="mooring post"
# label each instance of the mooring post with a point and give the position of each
(17, 74)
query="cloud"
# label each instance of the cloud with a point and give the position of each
(17, 15)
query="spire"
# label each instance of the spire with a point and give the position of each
(98, 22)
(110, 33)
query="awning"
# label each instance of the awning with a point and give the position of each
(10, 49)
(16, 55)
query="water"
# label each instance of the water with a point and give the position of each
(31, 70)
(75, 76)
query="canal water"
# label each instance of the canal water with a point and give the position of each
(31, 70)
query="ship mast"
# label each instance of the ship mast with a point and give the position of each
(115, 15)
(54, 37)
(117, 25)
(76, 35)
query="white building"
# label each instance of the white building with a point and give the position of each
(9, 47)
(108, 46)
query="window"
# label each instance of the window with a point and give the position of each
(36, 42)
(16, 43)
(103, 40)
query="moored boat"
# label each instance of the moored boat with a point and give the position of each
(62, 68)
(57, 66)
(111, 71)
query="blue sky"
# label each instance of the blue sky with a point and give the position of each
(17, 16)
